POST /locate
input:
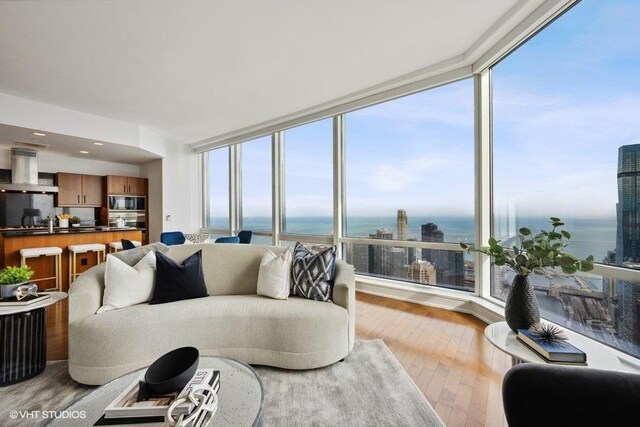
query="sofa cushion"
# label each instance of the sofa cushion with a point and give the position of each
(125, 285)
(274, 277)
(176, 282)
(312, 272)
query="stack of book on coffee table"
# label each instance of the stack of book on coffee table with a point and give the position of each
(133, 406)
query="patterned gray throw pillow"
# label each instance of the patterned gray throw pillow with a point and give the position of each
(312, 272)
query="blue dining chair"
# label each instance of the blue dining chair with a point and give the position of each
(127, 244)
(229, 239)
(245, 236)
(172, 238)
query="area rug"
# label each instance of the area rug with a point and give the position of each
(368, 388)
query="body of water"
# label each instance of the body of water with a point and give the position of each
(588, 236)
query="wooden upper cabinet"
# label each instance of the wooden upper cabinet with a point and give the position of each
(79, 190)
(126, 185)
(92, 190)
(117, 184)
(137, 186)
(69, 189)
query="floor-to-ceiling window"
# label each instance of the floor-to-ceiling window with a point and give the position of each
(566, 143)
(217, 205)
(308, 179)
(256, 189)
(409, 177)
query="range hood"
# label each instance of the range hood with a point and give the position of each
(24, 174)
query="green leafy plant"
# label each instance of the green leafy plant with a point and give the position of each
(75, 220)
(13, 275)
(536, 253)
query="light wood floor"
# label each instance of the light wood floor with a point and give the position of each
(444, 352)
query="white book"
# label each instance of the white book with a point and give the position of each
(126, 404)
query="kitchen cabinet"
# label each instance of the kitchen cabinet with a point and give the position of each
(126, 185)
(79, 190)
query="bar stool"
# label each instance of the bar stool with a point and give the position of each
(75, 250)
(117, 246)
(53, 251)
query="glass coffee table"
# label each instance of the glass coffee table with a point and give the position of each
(240, 399)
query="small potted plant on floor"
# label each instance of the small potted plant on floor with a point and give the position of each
(75, 221)
(13, 277)
(536, 254)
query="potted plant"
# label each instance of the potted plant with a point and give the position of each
(13, 277)
(75, 221)
(535, 254)
(63, 220)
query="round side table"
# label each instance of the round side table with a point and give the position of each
(23, 339)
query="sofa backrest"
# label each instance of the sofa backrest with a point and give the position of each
(229, 269)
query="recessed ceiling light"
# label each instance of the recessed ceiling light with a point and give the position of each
(98, 143)
(84, 152)
(40, 134)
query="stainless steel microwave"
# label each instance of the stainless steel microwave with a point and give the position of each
(127, 203)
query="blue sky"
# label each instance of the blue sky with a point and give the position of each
(563, 104)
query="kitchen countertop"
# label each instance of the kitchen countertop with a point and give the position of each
(64, 231)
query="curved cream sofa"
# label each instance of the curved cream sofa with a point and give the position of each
(233, 321)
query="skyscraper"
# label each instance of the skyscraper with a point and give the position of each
(628, 239)
(401, 222)
(420, 271)
(449, 264)
(379, 256)
(628, 212)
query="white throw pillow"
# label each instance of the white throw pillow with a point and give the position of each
(274, 276)
(125, 285)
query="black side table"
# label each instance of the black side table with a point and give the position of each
(23, 339)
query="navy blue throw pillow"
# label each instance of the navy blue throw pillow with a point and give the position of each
(178, 282)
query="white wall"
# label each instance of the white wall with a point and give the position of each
(174, 186)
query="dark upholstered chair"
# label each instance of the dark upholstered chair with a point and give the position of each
(230, 239)
(536, 394)
(245, 236)
(127, 244)
(172, 238)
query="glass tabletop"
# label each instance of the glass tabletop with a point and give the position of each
(240, 398)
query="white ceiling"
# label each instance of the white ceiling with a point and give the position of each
(70, 146)
(193, 69)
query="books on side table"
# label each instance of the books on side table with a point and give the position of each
(561, 352)
(128, 409)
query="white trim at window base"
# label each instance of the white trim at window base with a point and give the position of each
(401, 243)
(489, 310)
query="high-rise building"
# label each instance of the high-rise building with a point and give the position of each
(420, 271)
(401, 224)
(397, 262)
(628, 240)
(449, 264)
(628, 211)
(360, 258)
(379, 256)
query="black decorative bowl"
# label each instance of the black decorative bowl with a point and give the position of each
(173, 370)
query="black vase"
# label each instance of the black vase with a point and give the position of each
(521, 310)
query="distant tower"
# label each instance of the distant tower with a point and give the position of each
(449, 264)
(628, 233)
(380, 256)
(422, 272)
(402, 224)
(628, 239)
